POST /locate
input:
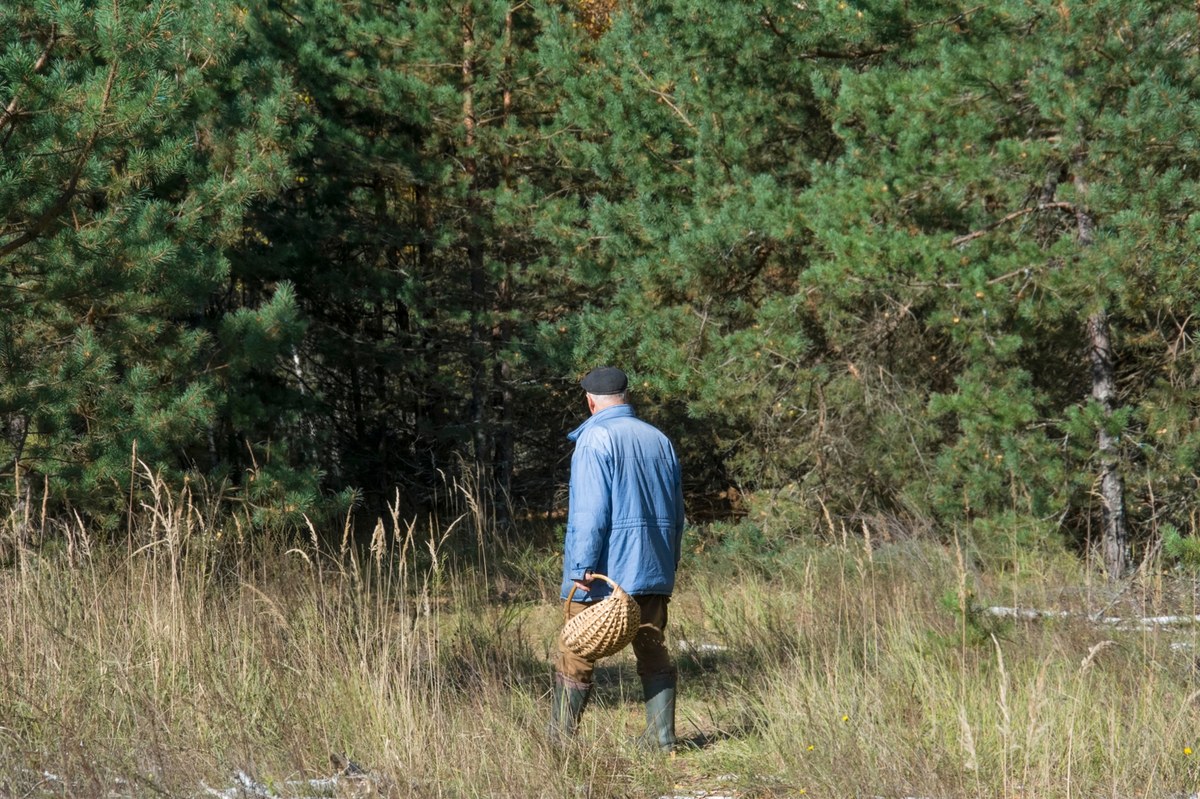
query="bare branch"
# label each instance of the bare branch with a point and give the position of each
(1060, 206)
(666, 98)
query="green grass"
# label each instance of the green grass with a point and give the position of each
(184, 655)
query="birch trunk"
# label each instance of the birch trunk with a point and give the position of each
(1115, 541)
(1115, 536)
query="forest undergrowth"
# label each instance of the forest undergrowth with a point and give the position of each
(193, 654)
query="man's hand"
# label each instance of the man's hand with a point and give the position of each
(585, 584)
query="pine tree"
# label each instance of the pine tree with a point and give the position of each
(412, 238)
(875, 250)
(1014, 178)
(701, 123)
(132, 136)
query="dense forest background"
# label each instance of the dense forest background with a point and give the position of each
(897, 269)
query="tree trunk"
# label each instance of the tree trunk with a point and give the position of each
(1115, 539)
(1112, 484)
(502, 331)
(479, 374)
(17, 432)
(428, 404)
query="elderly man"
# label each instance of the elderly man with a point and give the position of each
(625, 520)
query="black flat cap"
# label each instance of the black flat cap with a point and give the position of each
(604, 380)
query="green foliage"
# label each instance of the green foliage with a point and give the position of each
(1012, 541)
(703, 130)
(133, 136)
(733, 547)
(852, 242)
(848, 253)
(1184, 551)
(974, 626)
(971, 153)
(412, 238)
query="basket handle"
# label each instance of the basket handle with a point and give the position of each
(574, 588)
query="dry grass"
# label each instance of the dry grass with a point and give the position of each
(186, 654)
(189, 653)
(869, 683)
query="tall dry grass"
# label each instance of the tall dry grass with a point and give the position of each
(883, 674)
(190, 651)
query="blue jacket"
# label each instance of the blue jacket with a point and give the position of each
(625, 518)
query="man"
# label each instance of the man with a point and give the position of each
(625, 520)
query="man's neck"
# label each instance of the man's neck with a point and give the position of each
(603, 403)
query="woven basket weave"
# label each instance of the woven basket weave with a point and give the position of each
(604, 628)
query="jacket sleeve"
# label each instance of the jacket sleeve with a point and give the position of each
(589, 514)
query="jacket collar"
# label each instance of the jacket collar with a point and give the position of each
(612, 412)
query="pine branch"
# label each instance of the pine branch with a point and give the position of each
(666, 98)
(832, 55)
(63, 202)
(983, 231)
(848, 55)
(10, 111)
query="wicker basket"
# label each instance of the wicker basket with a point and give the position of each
(604, 628)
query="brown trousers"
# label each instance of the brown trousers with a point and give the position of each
(649, 645)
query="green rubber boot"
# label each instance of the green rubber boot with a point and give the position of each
(659, 692)
(570, 698)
